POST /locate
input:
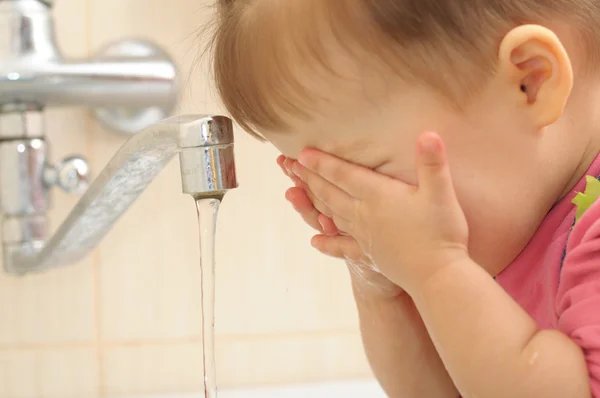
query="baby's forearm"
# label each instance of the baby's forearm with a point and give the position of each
(490, 345)
(399, 349)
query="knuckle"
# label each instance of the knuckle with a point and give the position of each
(323, 193)
(338, 175)
(287, 165)
(322, 208)
(341, 223)
(329, 168)
(318, 165)
(358, 209)
(314, 187)
(314, 198)
(320, 191)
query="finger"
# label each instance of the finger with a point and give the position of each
(322, 207)
(280, 163)
(432, 168)
(317, 203)
(287, 165)
(297, 181)
(314, 201)
(355, 180)
(328, 226)
(344, 247)
(343, 224)
(299, 199)
(284, 164)
(336, 199)
(303, 206)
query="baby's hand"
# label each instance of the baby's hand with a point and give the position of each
(409, 232)
(333, 243)
(312, 211)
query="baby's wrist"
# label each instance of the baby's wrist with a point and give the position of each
(378, 301)
(438, 270)
(371, 285)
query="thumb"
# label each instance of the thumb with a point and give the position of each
(432, 168)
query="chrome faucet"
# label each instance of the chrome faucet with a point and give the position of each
(205, 145)
(132, 85)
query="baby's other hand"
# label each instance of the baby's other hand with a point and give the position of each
(365, 276)
(312, 211)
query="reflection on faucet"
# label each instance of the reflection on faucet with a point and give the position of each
(205, 145)
(130, 84)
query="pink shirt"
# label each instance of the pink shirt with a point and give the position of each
(556, 278)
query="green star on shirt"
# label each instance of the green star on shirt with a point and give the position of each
(584, 200)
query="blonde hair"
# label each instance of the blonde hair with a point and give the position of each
(263, 49)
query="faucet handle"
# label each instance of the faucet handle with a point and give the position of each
(72, 175)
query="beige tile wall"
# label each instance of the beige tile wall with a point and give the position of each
(126, 321)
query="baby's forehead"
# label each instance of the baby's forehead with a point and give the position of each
(347, 147)
(359, 139)
(365, 131)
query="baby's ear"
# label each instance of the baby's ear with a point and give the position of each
(535, 64)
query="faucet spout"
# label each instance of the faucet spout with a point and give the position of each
(205, 145)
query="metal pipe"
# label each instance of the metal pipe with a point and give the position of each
(91, 84)
(129, 83)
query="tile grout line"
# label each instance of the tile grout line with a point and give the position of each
(102, 345)
(308, 335)
(359, 377)
(98, 344)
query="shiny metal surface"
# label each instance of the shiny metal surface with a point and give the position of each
(21, 122)
(207, 169)
(24, 197)
(160, 86)
(49, 3)
(71, 174)
(24, 233)
(133, 82)
(22, 188)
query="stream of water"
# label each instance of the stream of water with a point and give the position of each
(207, 224)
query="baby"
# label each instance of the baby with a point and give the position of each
(473, 276)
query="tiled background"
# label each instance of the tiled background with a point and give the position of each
(126, 321)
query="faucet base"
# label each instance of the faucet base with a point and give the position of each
(128, 120)
(132, 83)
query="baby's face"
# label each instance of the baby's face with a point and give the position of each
(493, 156)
